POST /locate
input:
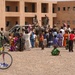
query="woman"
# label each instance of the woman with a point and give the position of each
(65, 38)
(60, 38)
(50, 39)
(55, 40)
(12, 43)
(45, 39)
(41, 41)
(36, 41)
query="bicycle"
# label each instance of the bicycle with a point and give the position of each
(5, 59)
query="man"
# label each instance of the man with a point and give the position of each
(68, 28)
(55, 27)
(46, 20)
(35, 21)
(62, 30)
(32, 39)
(71, 38)
(2, 31)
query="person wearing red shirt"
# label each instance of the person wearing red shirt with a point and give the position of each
(71, 38)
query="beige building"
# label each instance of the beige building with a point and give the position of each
(20, 12)
(65, 13)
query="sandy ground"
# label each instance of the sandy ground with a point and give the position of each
(41, 62)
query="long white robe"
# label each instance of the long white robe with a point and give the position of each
(27, 41)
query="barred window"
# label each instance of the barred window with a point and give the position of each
(7, 23)
(73, 21)
(74, 8)
(58, 22)
(68, 8)
(68, 22)
(64, 8)
(63, 21)
(58, 8)
(16, 8)
(7, 8)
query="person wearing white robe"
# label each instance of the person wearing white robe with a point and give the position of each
(27, 40)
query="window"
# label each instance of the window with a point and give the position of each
(7, 8)
(68, 8)
(68, 22)
(74, 8)
(16, 22)
(53, 10)
(26, 9)
(7, 23)
(26, 23)
(16, 8)
(58, 22)
(64, 8)
(63, 21)
(44, 9)
(58, 8)
(33, 7)
(73, 21)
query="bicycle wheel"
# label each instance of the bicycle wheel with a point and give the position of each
(5, 60)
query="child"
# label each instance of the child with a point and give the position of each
(55, 40)
(55, 51)
(12, 44)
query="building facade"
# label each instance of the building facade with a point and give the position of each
(20, 12)
(65, 11)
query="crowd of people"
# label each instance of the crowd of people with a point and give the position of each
(49, 37)
(46, 38)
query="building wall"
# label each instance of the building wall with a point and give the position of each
(2, 14)
(12, 21)
(67, 15)
(55, 16)
(12, 5)
(21, 15)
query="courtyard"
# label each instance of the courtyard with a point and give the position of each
(41, 62)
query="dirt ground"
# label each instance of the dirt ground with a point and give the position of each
(41, 62)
